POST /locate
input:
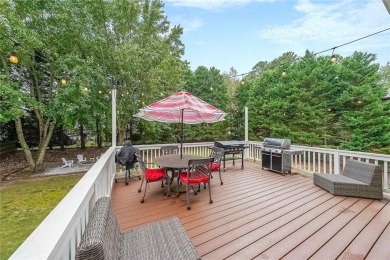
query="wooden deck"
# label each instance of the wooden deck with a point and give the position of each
(264, 215)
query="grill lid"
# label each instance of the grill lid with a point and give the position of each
(232, 143)
(277, 143)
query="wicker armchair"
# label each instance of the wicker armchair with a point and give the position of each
(102, 238)
(359, 179)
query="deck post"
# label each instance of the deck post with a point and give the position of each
(246, 151)
(113, 127)
(336, 162)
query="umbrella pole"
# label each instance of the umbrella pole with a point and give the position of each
(182, 135)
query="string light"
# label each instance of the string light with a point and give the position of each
(13, 57)
(333, 59)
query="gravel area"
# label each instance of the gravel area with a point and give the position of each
(76, 168)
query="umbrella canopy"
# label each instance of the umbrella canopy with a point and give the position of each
(181, 107)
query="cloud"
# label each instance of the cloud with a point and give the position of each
(188, 24)
(212, 4)
(333, 24)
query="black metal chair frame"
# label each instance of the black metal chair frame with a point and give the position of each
(217, 153)
(196, 166)
(142, 165)
(170, 149)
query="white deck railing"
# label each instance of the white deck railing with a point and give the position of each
(60, 232)
(331, 161)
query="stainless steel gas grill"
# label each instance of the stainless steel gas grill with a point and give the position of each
(234, 150)
(276, 155)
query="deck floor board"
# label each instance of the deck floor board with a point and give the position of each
(263, 215)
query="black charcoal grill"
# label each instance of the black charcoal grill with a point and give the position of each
(276, 155)
(233, 150)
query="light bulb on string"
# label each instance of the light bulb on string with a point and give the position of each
(13, 57)
(333, 59)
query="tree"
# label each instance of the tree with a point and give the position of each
(365, 117)
(146, 57)
(49, 46)
(208, 84)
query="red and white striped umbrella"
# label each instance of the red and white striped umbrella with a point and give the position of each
(181, 107)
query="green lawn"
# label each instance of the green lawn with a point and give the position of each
(25, 203)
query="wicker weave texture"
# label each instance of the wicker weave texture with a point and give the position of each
(359, 179)
(102, 238)
(166, 239)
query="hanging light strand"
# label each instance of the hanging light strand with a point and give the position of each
(330, 49)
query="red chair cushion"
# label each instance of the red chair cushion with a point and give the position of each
(215, 167)
(155, 174)
(194, 179)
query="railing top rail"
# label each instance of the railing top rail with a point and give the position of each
(376, 156)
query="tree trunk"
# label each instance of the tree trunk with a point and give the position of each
(42, 152)
(23, 143)
(61, 137)
(121, 135)
(82, 137)
(98, 136)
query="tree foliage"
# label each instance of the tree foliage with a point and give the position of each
(314, 102)
(96, 46)
(130, 46)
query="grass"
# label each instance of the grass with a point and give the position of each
(25, 203)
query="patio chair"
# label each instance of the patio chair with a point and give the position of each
(359, 179)
(217, 154)
(170, 149)
(198, 171)
(67, 163)
(81, 159)
(150, 175)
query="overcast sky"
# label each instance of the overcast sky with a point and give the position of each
(240, 33)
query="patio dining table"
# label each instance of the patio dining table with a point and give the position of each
(175, 162)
